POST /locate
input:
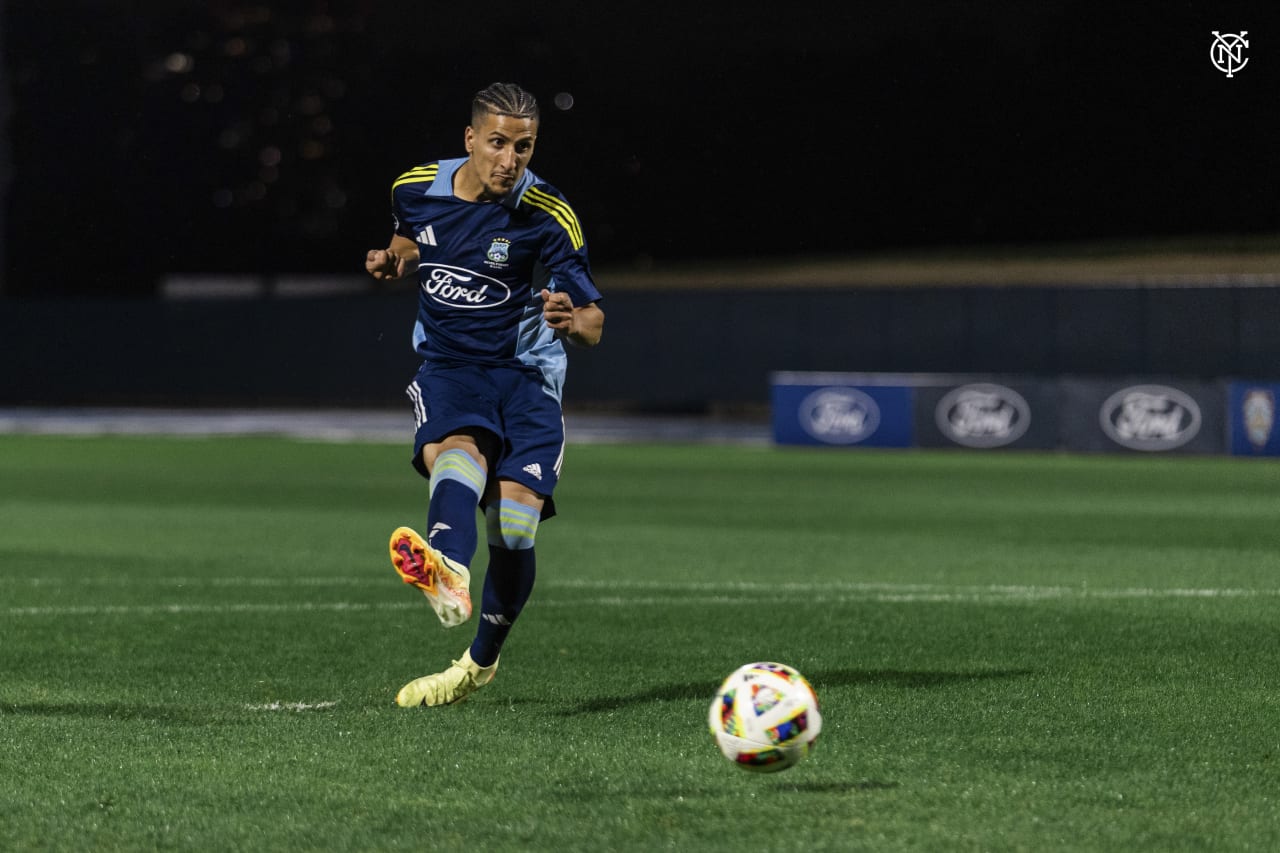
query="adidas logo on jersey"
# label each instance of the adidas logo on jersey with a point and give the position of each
(535, 469)
(427, 236)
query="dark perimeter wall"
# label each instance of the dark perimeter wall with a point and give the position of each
(687, 350)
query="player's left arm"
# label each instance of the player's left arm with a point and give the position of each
(564, 255)
(579, 324)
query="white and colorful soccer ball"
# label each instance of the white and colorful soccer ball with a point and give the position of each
(765, 717)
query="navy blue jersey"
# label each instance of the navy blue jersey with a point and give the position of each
(482, 265)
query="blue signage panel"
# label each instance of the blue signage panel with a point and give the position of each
(842, 415)
(1252, 413)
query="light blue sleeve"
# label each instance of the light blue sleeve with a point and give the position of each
(539, 347)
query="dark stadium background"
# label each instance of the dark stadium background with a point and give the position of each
(146, 140)
(707, 131)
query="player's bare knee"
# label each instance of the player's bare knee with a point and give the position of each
(467, 442)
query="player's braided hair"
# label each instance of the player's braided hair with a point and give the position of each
(504, 99)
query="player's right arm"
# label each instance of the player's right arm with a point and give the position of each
(395, 261)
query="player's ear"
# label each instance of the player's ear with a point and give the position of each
(468, 138)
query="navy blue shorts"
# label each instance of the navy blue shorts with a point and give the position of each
(510, 402)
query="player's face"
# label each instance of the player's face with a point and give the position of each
(500, 149)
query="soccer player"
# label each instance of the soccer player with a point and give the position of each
(503, 281)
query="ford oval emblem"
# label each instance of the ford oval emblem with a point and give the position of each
(1150, 417)
(839, 415)
(457, 287)
(983, 415)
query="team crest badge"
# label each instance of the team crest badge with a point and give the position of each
(1259, 416)
(499, 251)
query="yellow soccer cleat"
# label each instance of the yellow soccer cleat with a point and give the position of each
(456, 683)
(445, 582)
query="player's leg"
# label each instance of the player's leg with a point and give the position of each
(526, 474)
(511, 516)
(459, 471)
(454, 440)
(511, 523)
(440, 564)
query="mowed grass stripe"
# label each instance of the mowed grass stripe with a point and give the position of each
(676, 587)
(690, 595)
(1013, 652)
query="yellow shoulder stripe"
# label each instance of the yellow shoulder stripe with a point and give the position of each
(559, 210)
(416, 175)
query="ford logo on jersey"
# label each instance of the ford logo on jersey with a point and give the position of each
(461, 288)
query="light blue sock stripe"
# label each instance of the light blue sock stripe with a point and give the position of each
(458, 465)
(511, 525)
(518, 527)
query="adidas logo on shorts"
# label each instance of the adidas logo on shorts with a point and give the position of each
(535, 469)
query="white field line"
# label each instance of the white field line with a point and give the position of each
(858, 591)
(623, 593)
(182, 609)
(120, 581)
(292, 706)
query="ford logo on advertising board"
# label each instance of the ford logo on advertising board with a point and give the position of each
(983, 415)
(1150, 417)
(839, 415)
(461, 288)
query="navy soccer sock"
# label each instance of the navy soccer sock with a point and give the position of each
(508, 582)
(457, 481)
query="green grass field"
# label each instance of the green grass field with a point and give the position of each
(200, 643)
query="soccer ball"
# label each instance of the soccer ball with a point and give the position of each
(765, 717)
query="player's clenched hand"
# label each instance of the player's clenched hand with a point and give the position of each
(557, 311)
(384, 264)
